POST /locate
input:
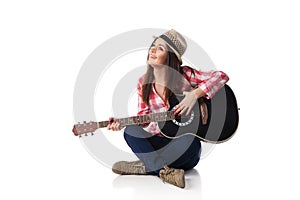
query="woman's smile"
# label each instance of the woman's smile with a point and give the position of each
(158, 53)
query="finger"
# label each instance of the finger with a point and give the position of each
(179, 109)
(183, 111)
(112, 126)
(119, 126)
(188, 111)
(109, 126)
(176, 109)
(116, 126)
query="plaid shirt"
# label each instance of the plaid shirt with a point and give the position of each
(210, 82)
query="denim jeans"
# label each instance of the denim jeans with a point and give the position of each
(156, 151)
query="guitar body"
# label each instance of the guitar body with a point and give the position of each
(222, 118)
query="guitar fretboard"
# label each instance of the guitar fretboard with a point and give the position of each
(142, 119)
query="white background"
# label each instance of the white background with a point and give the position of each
(43, 45)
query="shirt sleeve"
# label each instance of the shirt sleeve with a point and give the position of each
(210, 82)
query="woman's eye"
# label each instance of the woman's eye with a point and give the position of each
(160, 48)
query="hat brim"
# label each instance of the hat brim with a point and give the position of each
(176, 53)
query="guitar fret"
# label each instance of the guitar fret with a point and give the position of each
(137, 119)
(103, 124)
(141, 119)
(152, 119)
(134, 119)
(164, 116)
(147, 119)
(131, 120)
(168, 115)
(121, 121)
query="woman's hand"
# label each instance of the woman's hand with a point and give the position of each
(188, 102)
(114, 125)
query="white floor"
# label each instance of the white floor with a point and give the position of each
(139, 186)
(238, 169)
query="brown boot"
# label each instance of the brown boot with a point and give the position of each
(173, 176)
(129, 168)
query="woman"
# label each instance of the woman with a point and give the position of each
(165, 76)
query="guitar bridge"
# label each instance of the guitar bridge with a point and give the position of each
(204, 112)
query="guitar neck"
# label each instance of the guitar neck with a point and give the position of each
(142, 119)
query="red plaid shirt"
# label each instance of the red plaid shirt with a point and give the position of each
(210, 82)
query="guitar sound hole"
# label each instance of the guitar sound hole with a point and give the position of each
(184, 120)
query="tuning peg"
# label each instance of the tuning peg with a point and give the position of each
(80, 136)
(84, 122)
(92, 133)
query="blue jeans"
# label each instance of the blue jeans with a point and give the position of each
(155, 151)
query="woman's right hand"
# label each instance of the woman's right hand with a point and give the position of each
(114, 124)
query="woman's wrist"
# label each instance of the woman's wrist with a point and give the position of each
(198, 93)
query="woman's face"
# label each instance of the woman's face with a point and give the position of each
(158, 53)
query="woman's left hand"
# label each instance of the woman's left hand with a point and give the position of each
(188, 102)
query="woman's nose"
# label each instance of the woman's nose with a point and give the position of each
(153, 49)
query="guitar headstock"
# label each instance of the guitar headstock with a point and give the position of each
(85, 128)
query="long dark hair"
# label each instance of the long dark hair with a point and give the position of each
(172, 77)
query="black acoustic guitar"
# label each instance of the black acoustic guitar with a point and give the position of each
(211, 120)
